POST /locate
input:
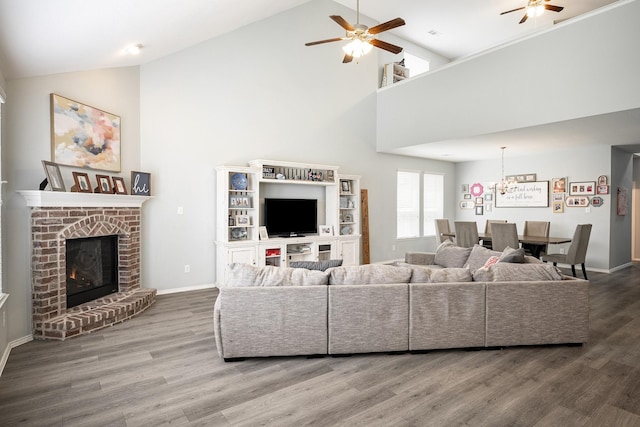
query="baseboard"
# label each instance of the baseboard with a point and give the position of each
(186, 289)
(13, 344)
(620, 267)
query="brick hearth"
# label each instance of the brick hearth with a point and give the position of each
(51, 226)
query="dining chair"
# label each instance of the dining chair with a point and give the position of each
(442, 226)
(537, 229)
(577, 252)
(487, 230)
(503, 235)
(466, 233)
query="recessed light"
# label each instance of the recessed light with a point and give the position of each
(134, 49)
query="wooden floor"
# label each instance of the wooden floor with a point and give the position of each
(162, 369)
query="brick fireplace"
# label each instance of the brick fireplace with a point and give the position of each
(58, 216)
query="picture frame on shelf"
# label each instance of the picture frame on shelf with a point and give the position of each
(54, 177)
(72, 124)
(239, 202)
(347, 217)
(104, 184)
(262, 232)
(140, 183)
(325, 230)
(243, 220)
(345, 187)
(82, 184)
(602, 189)
(119, 186)
(582, 188)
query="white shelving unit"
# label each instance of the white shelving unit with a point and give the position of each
(240, 242)
(394, 73)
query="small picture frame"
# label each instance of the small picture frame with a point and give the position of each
(82, 183)
(479, 201)
(465, 188)
(559, 197)
(242, 220)
(559, 185)
(467, 196)
(467, 204)
(597, 201)
(140, 183)
(347, 218)
(262, 231)
(480, 210)
(603, 180)
(577, 201)
(118, 185)
(345, 187)
(488, 197)
(104, 184)
(602, 189)
(239, 202)
(325, 230)
(54, 177)
(583, 188)
(558, 206)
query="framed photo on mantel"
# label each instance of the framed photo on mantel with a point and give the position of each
(140, 183)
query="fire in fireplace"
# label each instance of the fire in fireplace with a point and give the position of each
(92, 268)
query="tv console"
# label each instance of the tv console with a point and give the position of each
(240, 232)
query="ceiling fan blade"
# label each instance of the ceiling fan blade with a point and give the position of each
(342, 22)
(513, 10)
(337, 39)
(385, 26)
(347, 58)
(553, 8)
(386, 46)
(524, 18)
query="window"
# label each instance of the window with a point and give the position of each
(415, 207)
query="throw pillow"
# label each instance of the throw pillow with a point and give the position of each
(479, 256)
(245, 275)
(449, 255)
(512, 255)
(316, 265)
(491, 261)
(509, 272)
(370, 273)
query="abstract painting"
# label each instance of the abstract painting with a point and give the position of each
(84, 136)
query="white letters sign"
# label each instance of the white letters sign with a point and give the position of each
(525, 195)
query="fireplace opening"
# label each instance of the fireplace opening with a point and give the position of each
(92, 268)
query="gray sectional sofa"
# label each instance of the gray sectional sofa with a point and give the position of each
(274, 311)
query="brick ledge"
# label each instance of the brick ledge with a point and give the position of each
(96, 314)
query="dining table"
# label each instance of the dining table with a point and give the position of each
(539, 242)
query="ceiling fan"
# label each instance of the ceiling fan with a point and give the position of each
(535, 8)
(362, 37)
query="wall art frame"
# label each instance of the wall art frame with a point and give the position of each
(524, 195)
(558, 207)
(602, 189)
(577, 201)
(559, 185)
(582, 188)
(104, 184)
(84, 136)
(140, 183)
(119, 186)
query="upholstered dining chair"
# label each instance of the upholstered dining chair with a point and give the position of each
(577, 252)
(537, 229)
(503, 235)
(487, 230)
(442, 226)
(466, 233)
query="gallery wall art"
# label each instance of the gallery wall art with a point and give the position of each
(84, 136)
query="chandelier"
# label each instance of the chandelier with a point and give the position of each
(503, 185)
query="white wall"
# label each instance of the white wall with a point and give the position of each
(585, 165)
(555, 76)
(257, 92)
(27, 141)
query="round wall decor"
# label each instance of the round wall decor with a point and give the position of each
(477, 189)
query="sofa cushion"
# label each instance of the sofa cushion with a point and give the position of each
(370, 273)
(451, 256)
(509, 272)
(512, 255)
(242, 275)
(440, 275)
(479, 256)
(316, 265)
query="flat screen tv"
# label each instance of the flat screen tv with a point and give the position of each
(291, 217)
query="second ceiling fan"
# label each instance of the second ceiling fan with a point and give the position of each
(362, 37)
(535, 8)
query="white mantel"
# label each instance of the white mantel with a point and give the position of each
(37, 198)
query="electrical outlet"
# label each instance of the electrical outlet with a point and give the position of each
(187, 268)
(180, 210)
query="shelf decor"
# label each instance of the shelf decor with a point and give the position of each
(54, 177)
(84, 136)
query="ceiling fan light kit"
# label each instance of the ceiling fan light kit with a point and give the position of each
(362, 37)
(535, 8)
